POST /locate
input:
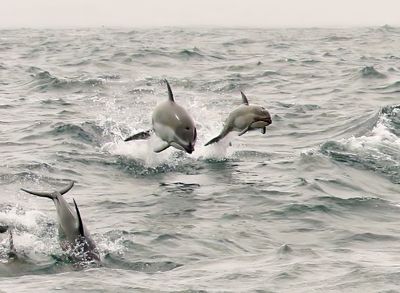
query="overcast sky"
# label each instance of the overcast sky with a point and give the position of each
(144, 13)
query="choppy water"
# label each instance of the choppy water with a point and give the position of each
(312, 205)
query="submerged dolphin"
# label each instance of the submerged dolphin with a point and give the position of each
(244, 118)
(3, 229)
(73, 234)
(12, 253)
(172, 124)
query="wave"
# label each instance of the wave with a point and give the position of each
(377, 150)
(335, 38)
(371, 72)
(44, 81)
(387, 28)
(193, 53)
(310, 61)
(393, 86)
(368, 237)
(160, 56)
(56, 102)
(242, 41)
(300, 209)
(137, 158)
(353, 203)
(87, 132)
(115, 261)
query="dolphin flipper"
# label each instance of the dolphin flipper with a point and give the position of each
(244, 130)
(141, 135)
(78, 214)
(161, 147)
(215, 139)
(263, 130)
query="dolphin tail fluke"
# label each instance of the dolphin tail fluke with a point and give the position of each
(78, 214)
(51, 195)
(67, 188)
(41, 194)
(141, 135)
(214, 140)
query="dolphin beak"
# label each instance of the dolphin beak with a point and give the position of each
(268, 120)
(189, 149)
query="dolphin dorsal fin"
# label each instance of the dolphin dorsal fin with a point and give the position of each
(170, 94)
(244, 99)
(78, 214)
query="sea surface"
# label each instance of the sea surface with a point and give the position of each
(311, 206)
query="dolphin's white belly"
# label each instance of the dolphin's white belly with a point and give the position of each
(242, 122)
(164, 132)
(259, 124)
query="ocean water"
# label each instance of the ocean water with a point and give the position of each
(311, 206)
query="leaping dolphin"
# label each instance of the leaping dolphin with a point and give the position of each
(172, 124)
(244, 118)
(74, 236)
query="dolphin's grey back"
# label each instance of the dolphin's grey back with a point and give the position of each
(172, 115)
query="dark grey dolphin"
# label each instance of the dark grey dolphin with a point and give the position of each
(12, 253)
(172, 124)
(3, 228)
(244, 118)
(74, 236)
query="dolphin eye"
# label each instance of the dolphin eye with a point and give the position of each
(187, 128)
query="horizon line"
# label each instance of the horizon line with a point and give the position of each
(200, 26)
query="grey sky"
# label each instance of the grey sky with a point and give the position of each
(134, 13)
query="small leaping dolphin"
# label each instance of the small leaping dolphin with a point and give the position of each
(244, 118)
(172, 124)
(73, 234)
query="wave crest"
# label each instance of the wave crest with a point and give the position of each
(371, 72)
(377, 150)
(44, 81)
